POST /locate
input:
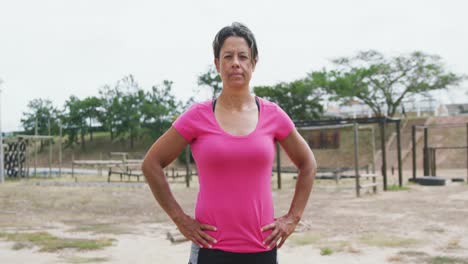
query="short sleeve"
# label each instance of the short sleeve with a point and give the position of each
(284, 124)
(186, 124)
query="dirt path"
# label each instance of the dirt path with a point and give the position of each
(419, 225)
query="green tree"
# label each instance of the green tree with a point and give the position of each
(40, 110)
(382, 83)
(91, 109)
(159, 109)
(42, 113)
(128, 109)
(300, 98)
(74, 121)
(212, 80)
(109, 111)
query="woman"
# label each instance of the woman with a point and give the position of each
(233, 143)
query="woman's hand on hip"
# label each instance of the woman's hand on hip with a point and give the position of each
(282, 229)
(195, 231)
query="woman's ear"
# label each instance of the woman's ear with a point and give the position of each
(216, 62)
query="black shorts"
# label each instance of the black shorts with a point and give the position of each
(216, 256)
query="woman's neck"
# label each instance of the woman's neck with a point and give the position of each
(238, 101)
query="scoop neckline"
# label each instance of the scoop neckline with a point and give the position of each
(260, 110)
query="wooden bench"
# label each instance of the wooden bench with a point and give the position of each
(368, 176)
(125, 169)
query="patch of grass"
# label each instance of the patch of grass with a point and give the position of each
(322, 242)
(395, 259)
(380, 240)
(447, 260)
(20, 245)
(49, 243)
(395, 187)
(326, 251)
(454, 244)
(414, 254)
(101, 229)
(79, 260)
(435, 229)
(410, 256)
(337, 245)
(305, 238)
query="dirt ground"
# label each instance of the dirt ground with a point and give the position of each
(421, 224)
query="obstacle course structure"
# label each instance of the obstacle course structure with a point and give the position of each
(19, 157)
(430, 153)
(15, 158)
(381, 121)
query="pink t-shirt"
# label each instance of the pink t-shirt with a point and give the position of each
(234, 174)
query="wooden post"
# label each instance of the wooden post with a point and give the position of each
(425, 154)
(373, 149)
(356, 159)
(431, 161)
(60, 149)
(400, 170)
(384, 152)
(73, 165)
(413, 139)
(100, 166)
(27, 158)
(50, 150)
(278, 165)
(187, 166)
(467, 152)
(35, 150)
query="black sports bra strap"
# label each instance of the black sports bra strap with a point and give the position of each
(256, 102)
(214, 104)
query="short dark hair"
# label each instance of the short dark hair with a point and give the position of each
(236, 29)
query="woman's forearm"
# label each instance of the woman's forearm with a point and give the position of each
(161, 191)
(305, 180)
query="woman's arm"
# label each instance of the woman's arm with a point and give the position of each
(301, 155)
(162, 153)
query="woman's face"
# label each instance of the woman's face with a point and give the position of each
(235, 65)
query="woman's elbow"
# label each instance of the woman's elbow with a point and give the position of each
(313, 165)
(309, 166)
(148, 166)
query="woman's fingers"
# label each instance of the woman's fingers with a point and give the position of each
(271, 237)
(281, 230)
(202, 238)
(194, 231)
(202, 241)
(208, 227)
(267, 227)
(207, 237)
(282, 241)
(199, 242)
(274, 241)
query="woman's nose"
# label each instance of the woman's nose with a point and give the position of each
(235, 61)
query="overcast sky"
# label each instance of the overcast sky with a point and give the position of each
(57, 48)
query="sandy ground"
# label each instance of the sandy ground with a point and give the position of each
(420, 225)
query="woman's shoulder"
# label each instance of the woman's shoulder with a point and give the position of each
(200, 106)
(268, 105)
